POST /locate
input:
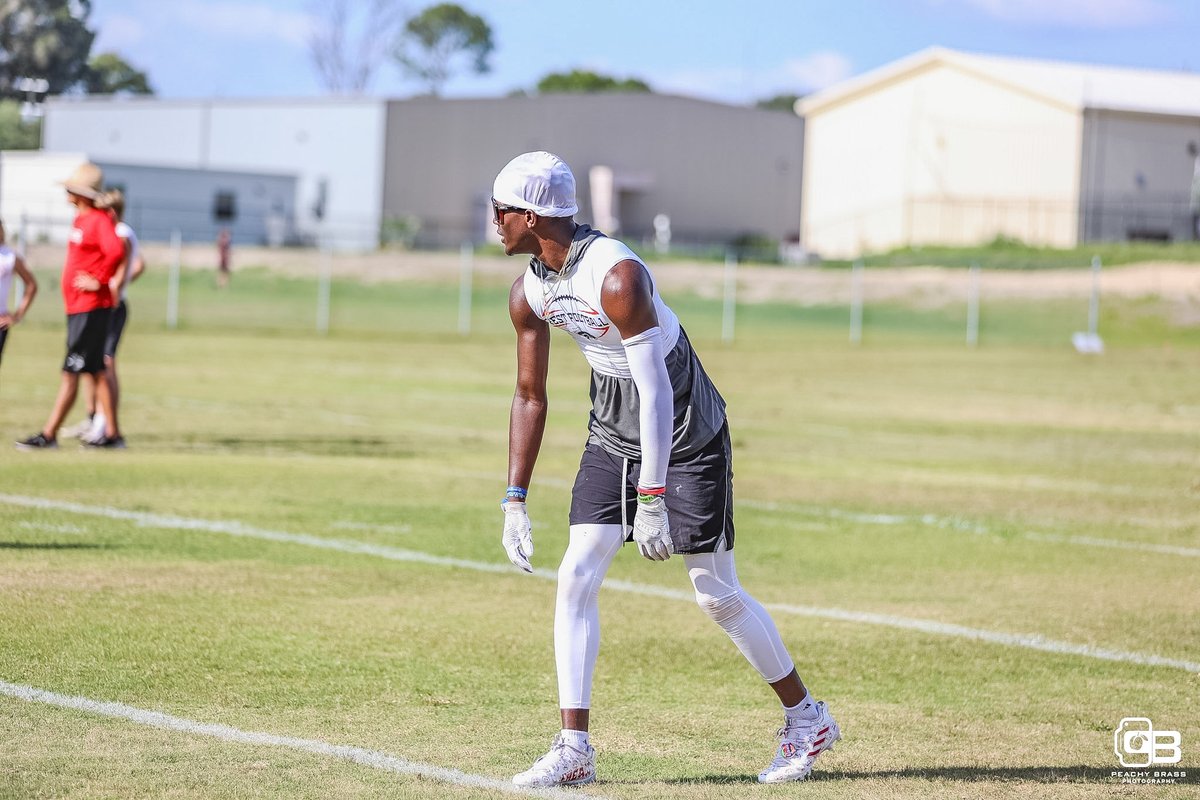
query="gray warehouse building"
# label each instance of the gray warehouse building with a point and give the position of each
(423, 167)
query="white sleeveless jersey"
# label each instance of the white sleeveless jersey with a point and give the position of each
(126, 233)
(8, 262)
(571, 302)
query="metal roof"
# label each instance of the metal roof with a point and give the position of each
(1078, 86)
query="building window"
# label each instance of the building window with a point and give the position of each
(225, 207)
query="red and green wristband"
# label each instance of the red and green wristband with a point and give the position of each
(647, 495)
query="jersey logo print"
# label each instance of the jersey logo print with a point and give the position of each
(576, 316)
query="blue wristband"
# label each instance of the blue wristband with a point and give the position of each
(517, 492)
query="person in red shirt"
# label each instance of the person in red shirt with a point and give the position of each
(93, 254)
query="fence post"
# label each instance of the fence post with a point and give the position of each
(466, 279)
(973, 306)
(324, 281)
(1094, 302)
(856, 302)
(729, 313)
(173, 280)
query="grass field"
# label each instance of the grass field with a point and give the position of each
(303, 541)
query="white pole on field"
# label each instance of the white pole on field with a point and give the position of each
(1094, 303)
(466, 278)
(856, 302)
(324, 281)
(173, 281)
(973, 305)
(728, 316)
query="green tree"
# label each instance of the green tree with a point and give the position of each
(582, 80)
(780, 102)
(47, 39)
(16, 133)
(436, 38)
(108, 73)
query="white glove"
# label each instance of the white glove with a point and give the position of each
(650, 528)
(518, 534)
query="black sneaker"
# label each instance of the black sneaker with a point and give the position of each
(104, 443)
(37, 442)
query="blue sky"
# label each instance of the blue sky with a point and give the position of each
(727, 51)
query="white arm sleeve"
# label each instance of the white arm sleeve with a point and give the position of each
(648, 365)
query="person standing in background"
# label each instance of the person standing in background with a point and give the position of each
(94, 252)
(224, 248)
(92, 428)
(12, 264)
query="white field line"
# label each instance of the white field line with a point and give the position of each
(234, 528)
(950, 523)
(368, 758)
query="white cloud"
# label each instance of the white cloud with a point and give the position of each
(1073, 13)
(244, 21)
(800, 75)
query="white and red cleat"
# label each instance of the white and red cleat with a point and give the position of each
(564, 765)
(800, 742)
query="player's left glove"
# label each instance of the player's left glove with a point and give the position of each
(518, 534)
(651, 530)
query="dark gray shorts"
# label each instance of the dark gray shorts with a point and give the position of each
(116, 326)
(85, 341)
(699, 494)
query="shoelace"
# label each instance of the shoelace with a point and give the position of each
(803, 742)
(558, 744)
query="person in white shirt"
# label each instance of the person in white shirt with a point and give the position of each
(657, 466)
(11, 263)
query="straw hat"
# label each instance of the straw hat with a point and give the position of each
(86, 181)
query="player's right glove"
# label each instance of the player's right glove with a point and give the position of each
(518, 534)
(651, 530)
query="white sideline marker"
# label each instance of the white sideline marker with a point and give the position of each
(359, 755)
(1028, 641)
(950, 523)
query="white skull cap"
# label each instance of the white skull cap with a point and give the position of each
(540, 181)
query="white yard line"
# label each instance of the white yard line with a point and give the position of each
(359, 755)
(951, 523)
(947, 523)
(234, 528)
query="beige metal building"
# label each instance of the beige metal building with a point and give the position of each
(944, 147)
(716, 171)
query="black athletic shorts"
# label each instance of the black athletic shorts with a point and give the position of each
(3, 337)
(699, 494)
(116, 325)
(85, 341)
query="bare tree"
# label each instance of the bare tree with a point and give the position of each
(351, 39)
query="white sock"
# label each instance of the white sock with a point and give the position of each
(576, 739)
(805, 709)
(98, 424)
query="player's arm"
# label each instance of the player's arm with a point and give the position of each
(627, 296)
(137, 268)
(527, 419)
(112, 248)
(121, 274)
(526, 423)
(31, 288)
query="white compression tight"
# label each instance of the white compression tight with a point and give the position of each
(718, 593)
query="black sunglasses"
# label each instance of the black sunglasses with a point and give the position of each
(498, 211)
